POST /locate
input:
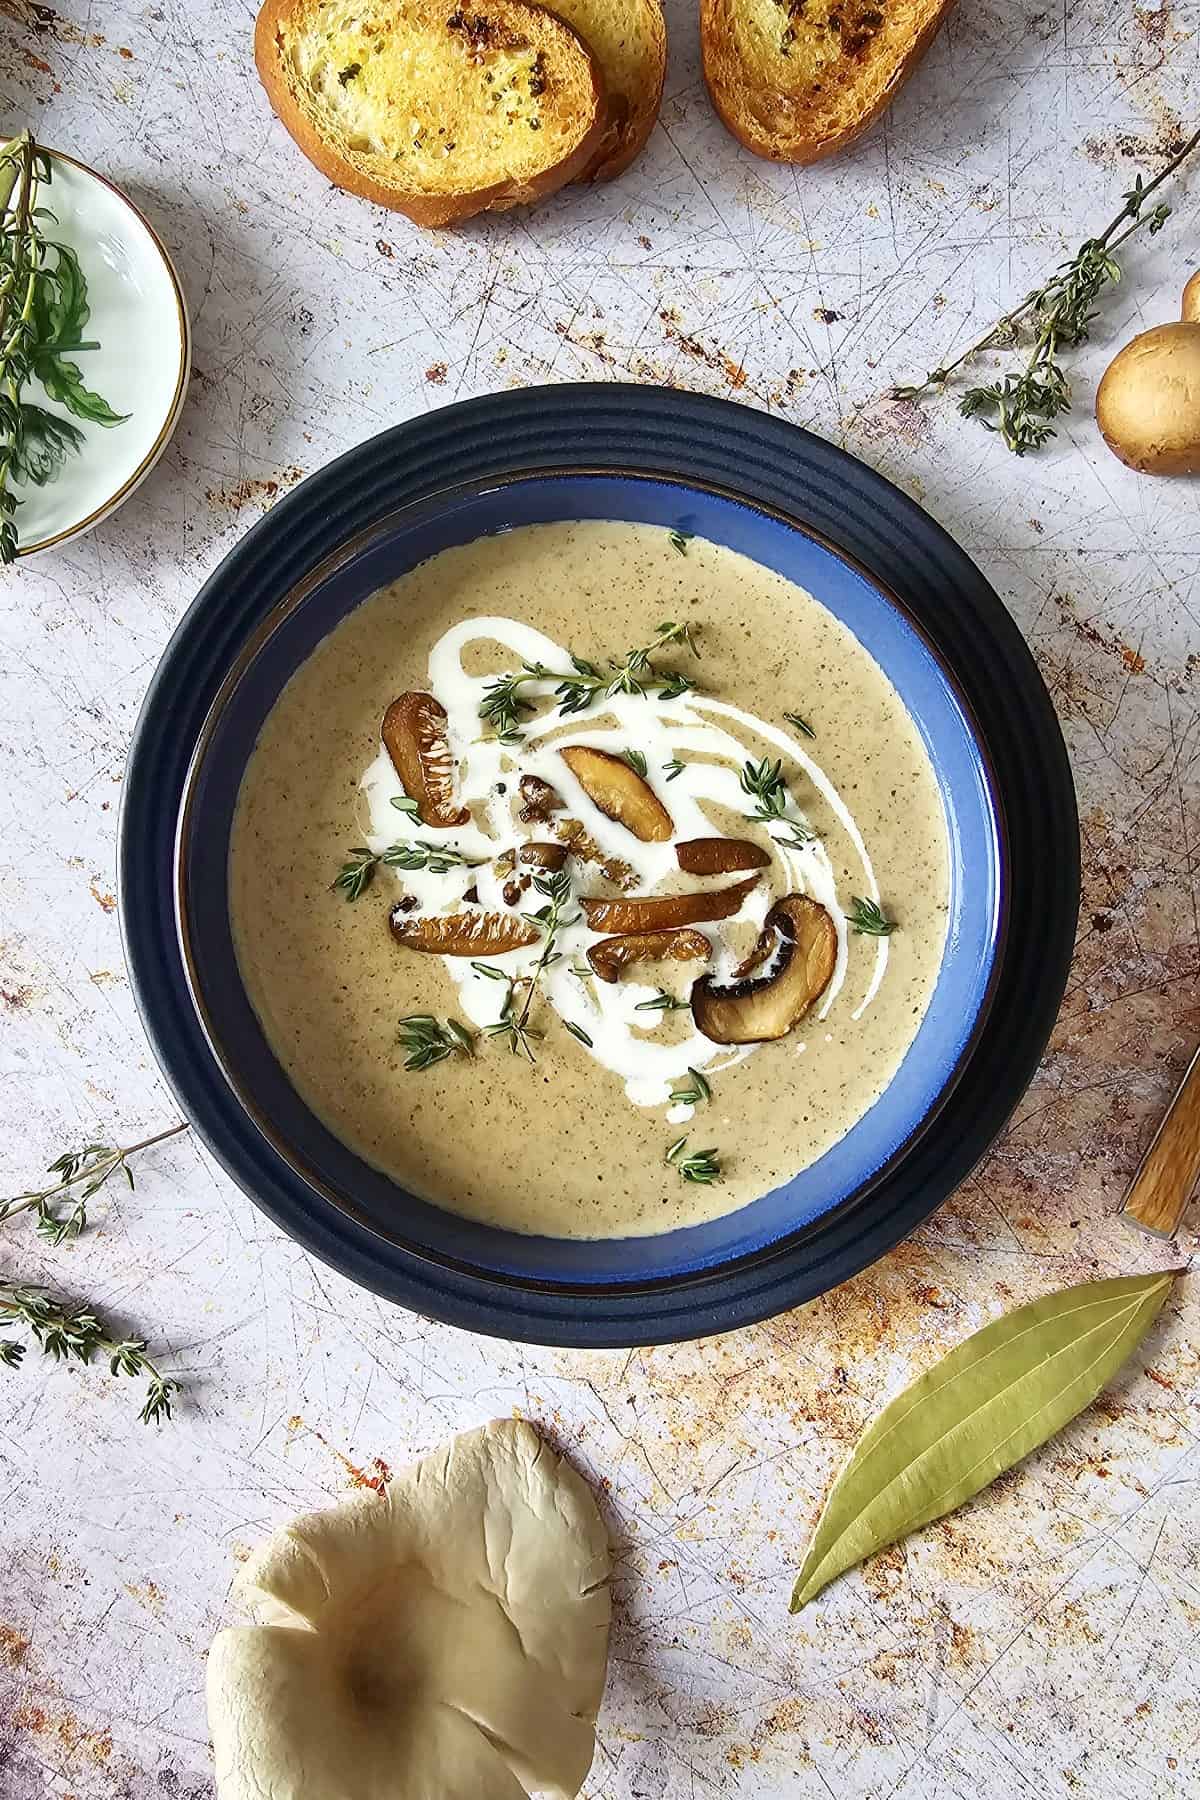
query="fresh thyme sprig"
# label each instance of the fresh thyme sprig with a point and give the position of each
(85, 1170)
(764, 783)
(702, 1166)
(693, 1095)
(64, 1331)
(43, 310)
(61, 1328)
(550, 920)
(1022, 404)
(505, 707)
(429, 1040)
(358, 874)
(869, 920)
(662, 1002)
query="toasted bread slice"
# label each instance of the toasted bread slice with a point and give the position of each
(435, 111)
(628, 38)
(797, 80)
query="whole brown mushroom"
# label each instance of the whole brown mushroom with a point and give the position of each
(1148, 401)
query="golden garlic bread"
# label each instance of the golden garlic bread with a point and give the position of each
(628, 38)
(797, 80)
(434, 110)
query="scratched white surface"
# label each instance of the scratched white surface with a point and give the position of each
(1044, 1642)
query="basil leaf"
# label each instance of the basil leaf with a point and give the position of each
(977, 1412)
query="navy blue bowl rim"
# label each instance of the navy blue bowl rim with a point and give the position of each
(768, 463)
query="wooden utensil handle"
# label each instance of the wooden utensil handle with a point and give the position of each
(1170, 1168)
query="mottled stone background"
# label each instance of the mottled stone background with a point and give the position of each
(1041, 1644)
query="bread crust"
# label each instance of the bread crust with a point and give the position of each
(763, 127)
(627, 127)
(433, 210)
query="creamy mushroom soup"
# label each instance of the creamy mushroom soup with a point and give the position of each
(590, 880)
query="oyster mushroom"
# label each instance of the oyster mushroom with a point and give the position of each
(612, 954)
(619, 792)
(752, 1012)
(662, 912)
(719, 856)
(446, 1637)
(463, 934)
(414, 736)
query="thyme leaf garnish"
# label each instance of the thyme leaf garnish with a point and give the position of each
(514, 1025)
(869, 920)
(358, 874)
(662, 1002)
(802, 725)
(673, 768)
(577, 1031)
(429, 1040)
(505, 706)
(636, 761)
(693, 1095)
(702, 1166)
(679, 540)
(764, 783)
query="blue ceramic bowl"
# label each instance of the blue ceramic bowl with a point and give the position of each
(947, 646)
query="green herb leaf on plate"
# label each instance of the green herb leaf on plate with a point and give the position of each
(985, 1406)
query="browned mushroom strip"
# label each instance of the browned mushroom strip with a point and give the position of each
(542, 856)
(719, 856)
(612, 954)
(414, 736)
(464, 934)
(661, 912)
(751, 1012)
(620, 792)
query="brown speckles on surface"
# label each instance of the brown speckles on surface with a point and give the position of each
(436, 373)
(260, 491)
(104, 900)
(14, 1645)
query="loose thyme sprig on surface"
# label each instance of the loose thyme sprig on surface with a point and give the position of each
(702, 1166)
(64, 1329)
(358, 874)
(868, 918)
(429, 1040)
(550, 920)
(505, 707)
(1021, 405)
(85, 1170)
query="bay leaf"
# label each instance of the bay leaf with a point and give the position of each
(984, 1406)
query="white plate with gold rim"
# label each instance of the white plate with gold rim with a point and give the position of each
(140, 321)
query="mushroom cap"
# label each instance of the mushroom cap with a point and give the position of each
(446, 1640)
